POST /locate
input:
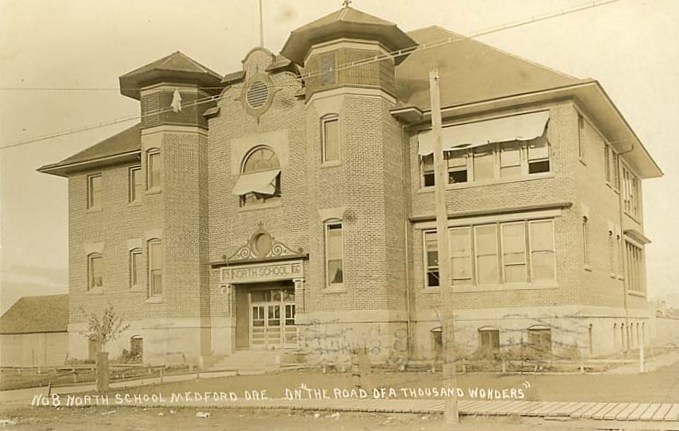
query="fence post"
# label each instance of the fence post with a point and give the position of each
(162, 373)
(642, 366)
(504, 366)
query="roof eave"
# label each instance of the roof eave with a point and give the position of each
(589, 94)
(65, 170)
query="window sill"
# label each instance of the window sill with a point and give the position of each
(506, 287)
(154, 300)
(137, 289)
(431, 289)
(495, 287)
(472, 184)
(584, 163)
(587, 268)
(94, 210)
(263, 206)
(332, 164)
(154, 191)
(136, 203)
(96, 291)
(636, 293)
(335, 289)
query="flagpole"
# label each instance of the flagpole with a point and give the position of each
(261, 25)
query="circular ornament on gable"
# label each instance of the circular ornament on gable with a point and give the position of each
(258, 94)
(261, 244)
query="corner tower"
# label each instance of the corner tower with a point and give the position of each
(357, 204)
(174, 92)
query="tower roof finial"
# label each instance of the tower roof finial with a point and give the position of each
(346, 3)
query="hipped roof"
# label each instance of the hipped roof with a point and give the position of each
(32, 314)
(469, 71)
(346, 22)
(175, 67)
(123, 145)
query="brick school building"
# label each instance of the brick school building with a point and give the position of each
(288, 207)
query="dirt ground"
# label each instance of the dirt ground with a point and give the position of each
(160, 419)
(659, 386)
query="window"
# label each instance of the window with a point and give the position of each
(484, 164)
(616, 170)
(538, 156)
(154, 170)
(540, 340)
(431, 259)
(95, 267)
(334, 254)
(581, 137)
(515, 262)
(607, 163)
(491, 162)
(630, 192)
(460, 256)
(331, 141)
(135, 184)
(487, 271)
(611, 251)
(136, 269)
(155, 267)
(489, 340)
(136, 349)
(510, 160)
(428, 175)
(634, 258)
(94, 191)
(510, 252)
(585, 240)
(542, 253)
(457, 167)
(260, 181)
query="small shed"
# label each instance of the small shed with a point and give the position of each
(33, 332)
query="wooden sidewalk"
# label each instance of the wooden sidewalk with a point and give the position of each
(654, 412)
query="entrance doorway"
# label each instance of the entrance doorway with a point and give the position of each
(266, 316)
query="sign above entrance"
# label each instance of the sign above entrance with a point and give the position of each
(256, 273)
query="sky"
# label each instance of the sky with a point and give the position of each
(60, 61)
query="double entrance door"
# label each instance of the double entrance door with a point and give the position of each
(272, 314)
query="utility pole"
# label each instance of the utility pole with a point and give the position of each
(451, 413)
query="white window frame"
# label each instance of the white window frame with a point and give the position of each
(330, 118)
(150, 185)
(91, 284)
(135, 276)
(425, 263)
(500, 248)
(531, 249)
(152, 293)
(94, 203)
(134, 195)
(326, 228)
(526, 251)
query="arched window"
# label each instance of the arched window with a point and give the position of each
(260, 177)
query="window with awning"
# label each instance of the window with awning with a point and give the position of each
(524, 127)
(490, 150)
(263, 183)
(260, 178)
